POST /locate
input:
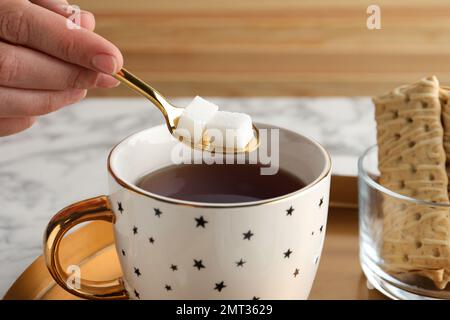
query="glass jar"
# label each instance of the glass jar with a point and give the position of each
(403, 241)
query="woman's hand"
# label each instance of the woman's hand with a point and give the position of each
(45, 63)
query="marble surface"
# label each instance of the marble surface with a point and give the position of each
(62, 159)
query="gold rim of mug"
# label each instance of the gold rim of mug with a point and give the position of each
(325, 172)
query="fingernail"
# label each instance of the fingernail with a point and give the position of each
(77, 95)
(65, 7)
(107, 81)
(105, 63)
(83, 94)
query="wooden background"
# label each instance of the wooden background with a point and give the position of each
(276, 47)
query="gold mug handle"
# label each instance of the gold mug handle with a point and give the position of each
(87, 210)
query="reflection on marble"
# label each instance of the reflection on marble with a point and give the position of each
(62, 158)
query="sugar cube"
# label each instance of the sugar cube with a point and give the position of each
(192, 121)
(229, 129)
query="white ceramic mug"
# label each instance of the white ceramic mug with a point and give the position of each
(173, 249)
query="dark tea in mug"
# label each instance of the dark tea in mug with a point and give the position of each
(219, 183)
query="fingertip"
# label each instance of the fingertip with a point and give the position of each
(68, 97)
(107, 81)
(31, 121)
(119, 60)
(82, 93)
(87, 20)
(77, 95)
(26, 123)
(118, 57)
(9, 126)
(109, 63)
(117, 54)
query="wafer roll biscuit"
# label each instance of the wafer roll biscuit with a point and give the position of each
(412, 162)
(444, 95)
(445, 105)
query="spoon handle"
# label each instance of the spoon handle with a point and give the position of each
(144, 89)
(172, 113)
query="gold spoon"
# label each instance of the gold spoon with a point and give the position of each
(172, 114)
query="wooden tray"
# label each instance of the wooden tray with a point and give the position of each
(91, 247)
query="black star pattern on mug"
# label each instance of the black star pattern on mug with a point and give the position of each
(296, 273)
(158, 212)
(168, 288)
(151, 240)
(135, 230)
(317, 260)
(201, 222)
(219, 286)
(174, 267)
(123, 253)
(248, 235)
(321, 228)
(321, 202)
(255, 298)
(240, 263)
(137, 271)
(289, 211)
(119, 204)
(312, 233)
(136, 294)
(288, 253)
(199, 264)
